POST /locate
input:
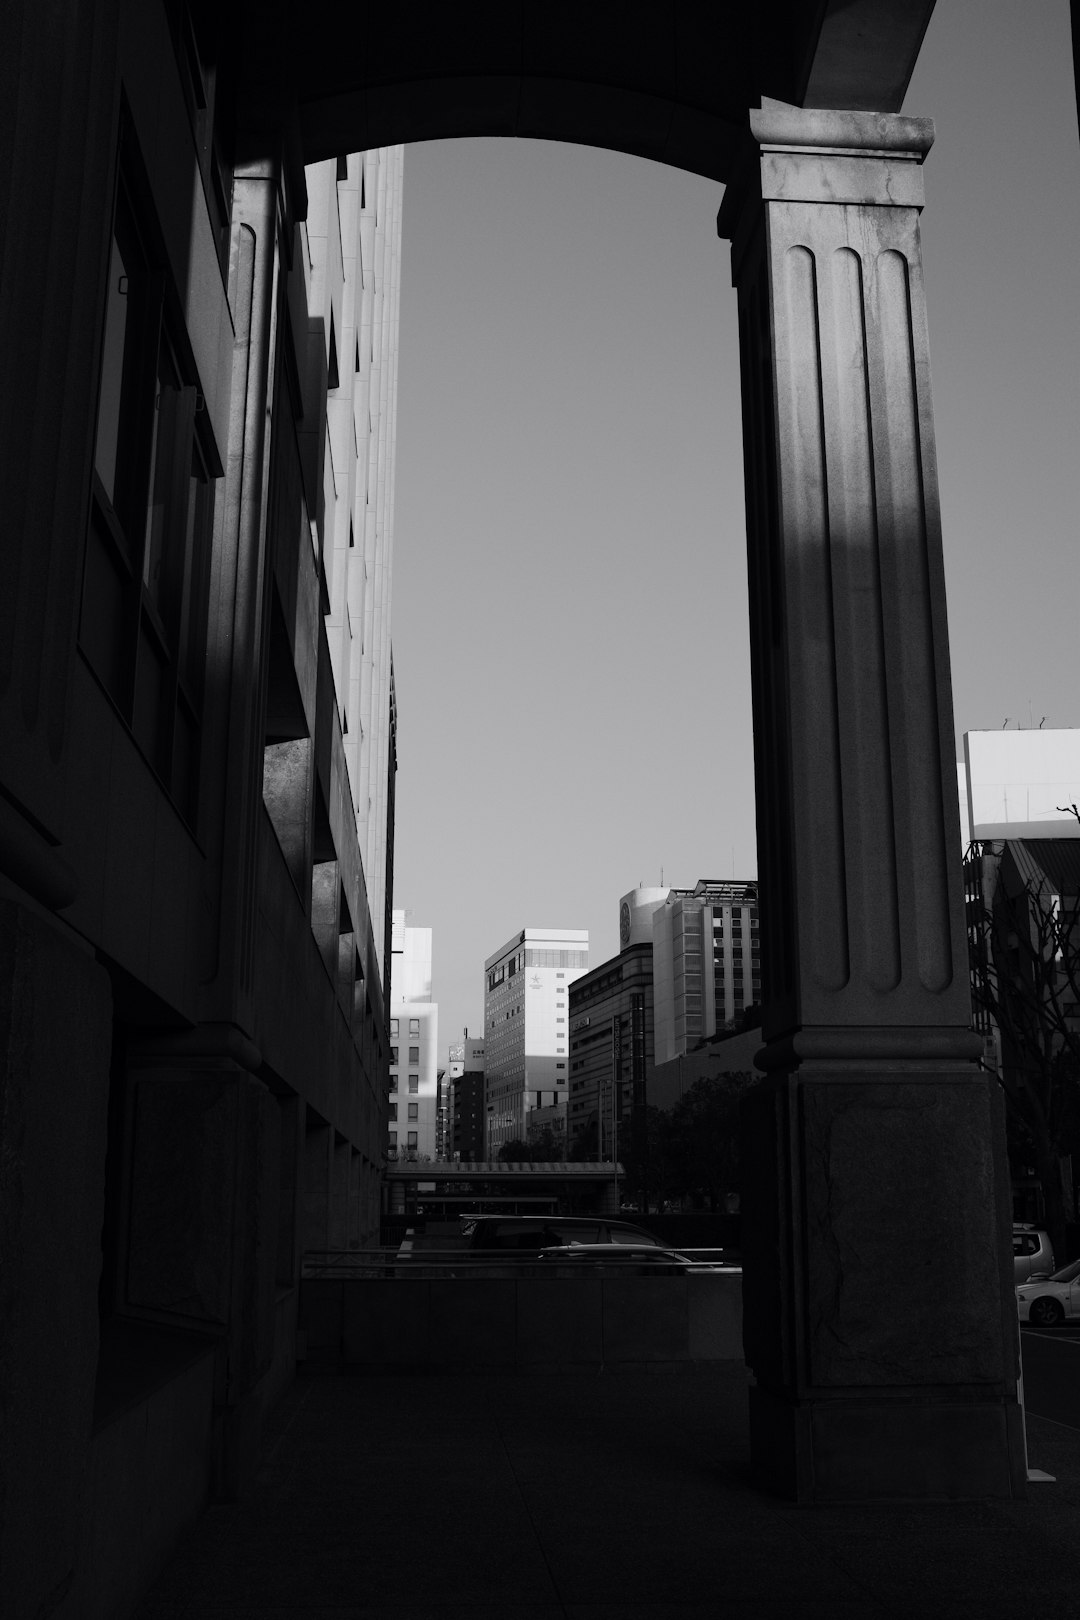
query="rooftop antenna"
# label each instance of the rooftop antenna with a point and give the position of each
(1005, 722)
(1042, 722)
(661, 877)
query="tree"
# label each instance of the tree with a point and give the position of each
(545, 1147)
(586, 1144)
(514, 1152)
(703, 1147)
(1024, 941)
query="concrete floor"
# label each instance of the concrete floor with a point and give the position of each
(623, 1496)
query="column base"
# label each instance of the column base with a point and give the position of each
(886, 1450)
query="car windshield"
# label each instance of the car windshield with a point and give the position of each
(1067, 1273)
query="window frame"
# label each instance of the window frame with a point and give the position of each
(142, 627)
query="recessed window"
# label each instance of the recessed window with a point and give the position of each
(412, 1139)
(414, 1026)
(144, 602)
(393, 1026)
(414, 1082)
(414, 1110)
(414, 1054)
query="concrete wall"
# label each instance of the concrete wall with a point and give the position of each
(523, 1321)
(149, 1475)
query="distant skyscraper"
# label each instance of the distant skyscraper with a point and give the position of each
(466, 1137)
(706, 960)
(611, 1049)
(414, 1040)
(526, 1022)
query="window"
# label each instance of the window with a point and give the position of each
(393, 1082)
(560, 1065)
(393, 1139)
(393, 1054)
(414, 1082)
(414, 1054)
(393, 1026)
(414, 1110)
(143, 615)
(412, 1139)
(393, 1110)
(414, 1026)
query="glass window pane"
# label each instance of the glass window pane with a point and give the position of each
(112, 372)
(166, 402)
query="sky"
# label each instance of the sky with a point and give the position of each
(569, 595)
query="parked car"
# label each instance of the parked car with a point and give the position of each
(1051, 1300)
(528, 1234)
(627, 1257)
(1033, 1254)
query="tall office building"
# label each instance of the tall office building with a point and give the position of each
(611, 1049)
(414, 1039)
(706, 959)
(526, 1024)
(465, 1115)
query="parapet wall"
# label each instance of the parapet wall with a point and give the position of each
(522, 1321)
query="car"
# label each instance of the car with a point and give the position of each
(623, 1256)
(1033, 1254)
(528, 1234)
(1051, 1300)
(628, 1256)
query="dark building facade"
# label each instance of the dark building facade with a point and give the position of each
(611, 1050)
(195, 703)
(468, 1114)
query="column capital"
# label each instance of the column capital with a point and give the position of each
(815, 155)
(778, 124)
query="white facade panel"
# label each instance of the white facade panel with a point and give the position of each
(1020, 783)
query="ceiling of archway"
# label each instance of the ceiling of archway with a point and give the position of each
(665, 79)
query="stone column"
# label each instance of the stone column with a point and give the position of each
(879, 1313)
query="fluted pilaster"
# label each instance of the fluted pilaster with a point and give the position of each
(879, 1318)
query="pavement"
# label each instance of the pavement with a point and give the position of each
(592, 1496)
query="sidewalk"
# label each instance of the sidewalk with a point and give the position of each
(623, 1496)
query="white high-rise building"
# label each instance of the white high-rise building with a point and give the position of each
(526, 1025)
(414, 1041)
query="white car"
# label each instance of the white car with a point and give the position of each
(1053, 1300)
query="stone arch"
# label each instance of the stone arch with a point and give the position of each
(874, 1133)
